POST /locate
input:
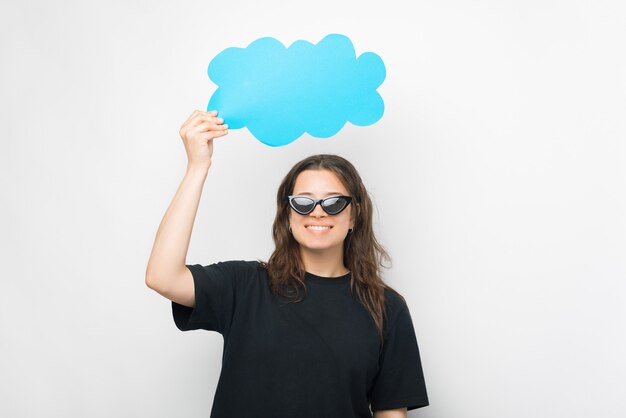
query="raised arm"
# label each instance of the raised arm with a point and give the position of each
(166, 272)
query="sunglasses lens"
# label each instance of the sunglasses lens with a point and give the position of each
(334, 205)
(302, 205)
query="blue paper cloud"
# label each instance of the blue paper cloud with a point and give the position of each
(280, 93)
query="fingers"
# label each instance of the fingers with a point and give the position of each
(193, 114)
(216, 134)
(203, 126)
(200, 121)
(212, 134)
(208, 126)
(198, 115)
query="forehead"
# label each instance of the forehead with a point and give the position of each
(319, 183)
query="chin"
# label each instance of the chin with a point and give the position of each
(318, 246)
(315, 248)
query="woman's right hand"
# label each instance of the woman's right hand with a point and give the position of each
(197, 134)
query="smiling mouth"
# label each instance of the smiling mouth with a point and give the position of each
(318, 227)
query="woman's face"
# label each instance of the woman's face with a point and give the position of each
(319, 184)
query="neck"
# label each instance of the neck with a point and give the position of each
(324, 263)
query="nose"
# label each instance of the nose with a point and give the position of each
(318, 211)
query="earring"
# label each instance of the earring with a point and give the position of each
(350, 231)
(289, 228)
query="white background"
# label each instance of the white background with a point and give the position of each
(497, 171)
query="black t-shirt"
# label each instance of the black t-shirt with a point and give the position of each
(317, 358)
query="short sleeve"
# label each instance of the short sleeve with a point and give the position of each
(400, 379)
(215, 289)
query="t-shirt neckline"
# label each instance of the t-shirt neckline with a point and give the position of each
(313, 278)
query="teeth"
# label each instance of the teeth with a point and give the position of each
(318, 228)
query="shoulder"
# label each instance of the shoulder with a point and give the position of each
(395, 305)
(243, 265)
(240, 270)
(394, 301)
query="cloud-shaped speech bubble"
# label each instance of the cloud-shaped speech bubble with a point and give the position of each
(280, 93)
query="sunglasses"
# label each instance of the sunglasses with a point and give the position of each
(333, 205)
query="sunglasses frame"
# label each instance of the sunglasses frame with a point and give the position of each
(319, 202)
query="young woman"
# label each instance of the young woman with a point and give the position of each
(312, 332)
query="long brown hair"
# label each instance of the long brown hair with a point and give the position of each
(363, 254)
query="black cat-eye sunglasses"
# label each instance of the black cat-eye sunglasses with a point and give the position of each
(332, 205)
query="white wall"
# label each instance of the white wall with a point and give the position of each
(497, 171)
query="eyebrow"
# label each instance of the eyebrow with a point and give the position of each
(325, 194)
